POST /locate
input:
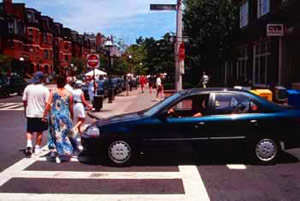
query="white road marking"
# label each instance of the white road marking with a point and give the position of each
(236, 166)
(96, 175)
(12, 106)
(193, 183)
(80, 197)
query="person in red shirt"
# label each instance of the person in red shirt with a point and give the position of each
(143, 82)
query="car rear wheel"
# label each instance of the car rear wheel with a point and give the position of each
(266, 151)
(120, 152)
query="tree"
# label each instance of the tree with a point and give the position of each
(210, 25)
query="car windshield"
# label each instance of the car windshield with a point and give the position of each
(154, 109)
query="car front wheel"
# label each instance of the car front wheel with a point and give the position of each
(120, 152)
(266, 151)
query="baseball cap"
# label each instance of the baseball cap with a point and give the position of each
(37, 77)
(78, 83)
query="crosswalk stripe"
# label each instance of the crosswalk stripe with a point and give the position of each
(96, 175)
(236, 166)
(11, 106)
(80, 197)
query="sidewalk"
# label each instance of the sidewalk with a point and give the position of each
(134, 102)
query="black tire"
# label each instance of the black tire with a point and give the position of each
(265, 151)
(120, 152)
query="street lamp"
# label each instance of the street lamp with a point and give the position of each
(108, 45)
(21, 59)
(71, 69)
(130, 72)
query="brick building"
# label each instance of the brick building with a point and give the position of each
(262, 58)
(35, 42)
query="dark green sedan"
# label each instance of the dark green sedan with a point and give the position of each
(196, 117)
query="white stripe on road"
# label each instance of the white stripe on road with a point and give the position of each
(96, 175)
(80, 197)
(236, 166)
(10, 172)
(11, 106)
(193, 183)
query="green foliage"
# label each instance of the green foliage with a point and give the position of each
(150, 56)
(210, 25)
(78, 65)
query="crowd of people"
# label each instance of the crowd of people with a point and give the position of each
(54, 111)
(152, 81)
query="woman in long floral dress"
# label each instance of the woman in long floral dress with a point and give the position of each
(60, 105)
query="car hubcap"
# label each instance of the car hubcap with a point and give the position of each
(119, 152)
(266, 149)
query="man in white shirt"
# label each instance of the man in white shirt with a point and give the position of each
(34, 99)
(68, 85)
(91, 90)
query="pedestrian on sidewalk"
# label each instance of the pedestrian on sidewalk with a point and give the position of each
(79, 103)
(34, 98)
(91, 90)
(159, 88)
(143, 82)
(150, 83)
(60, 106)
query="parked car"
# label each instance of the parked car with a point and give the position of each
(13, 85)
(117, 85)
(228, 116)
(101, 90)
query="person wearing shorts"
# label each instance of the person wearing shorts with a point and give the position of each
(79, 103)
(34, 98)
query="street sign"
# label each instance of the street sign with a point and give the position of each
(93, 61)
(274, 29)
(163, 6)
(181, 52)
(184, 39)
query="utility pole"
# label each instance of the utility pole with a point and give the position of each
(179, 63)
(178, 76)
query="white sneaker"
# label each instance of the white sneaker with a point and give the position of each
(37, 151)
(57, 160)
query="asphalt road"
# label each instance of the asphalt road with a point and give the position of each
(214, 174)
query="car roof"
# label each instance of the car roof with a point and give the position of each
(215, 89)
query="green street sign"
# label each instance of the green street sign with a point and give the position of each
(163, 6)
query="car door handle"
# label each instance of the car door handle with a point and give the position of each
(199, 124)
(254, 121)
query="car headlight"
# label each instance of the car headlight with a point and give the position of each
(93, 131)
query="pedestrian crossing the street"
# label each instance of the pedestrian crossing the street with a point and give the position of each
(11, 107)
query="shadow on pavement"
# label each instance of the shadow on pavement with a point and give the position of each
(175, 158)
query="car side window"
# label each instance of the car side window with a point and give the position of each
(234, 104)
(193, 106)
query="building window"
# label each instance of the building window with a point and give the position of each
(46, 55)
(242, 65)
(262, 52)
(244, 14)
(29, 17)
(44, 38)
(263, 7)
(30, 35)
(11, 27)
(37, 36)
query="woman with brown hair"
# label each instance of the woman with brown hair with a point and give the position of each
(60, 105)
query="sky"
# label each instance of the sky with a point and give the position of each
(125, 19)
